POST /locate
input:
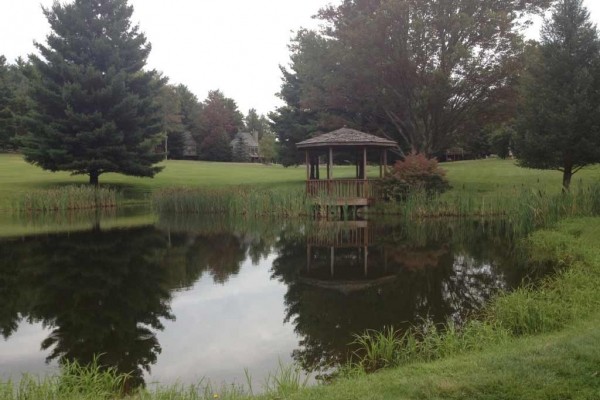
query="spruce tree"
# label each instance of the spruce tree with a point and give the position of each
(6, 95)
(95, 105)
(559, 123)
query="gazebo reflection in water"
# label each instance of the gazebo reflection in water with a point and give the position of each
(342, 256)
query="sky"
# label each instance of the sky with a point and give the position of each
(232, 45)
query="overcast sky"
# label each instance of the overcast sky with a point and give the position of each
(231, 45)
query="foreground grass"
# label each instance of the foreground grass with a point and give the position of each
(562, 365)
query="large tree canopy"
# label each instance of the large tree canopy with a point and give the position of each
(559, 124)
(220, 120)
(96, 108)
(421, 72)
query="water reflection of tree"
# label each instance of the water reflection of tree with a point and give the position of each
(439, 274)
(99, 293)
(213, 245)
(11, 294)
(107, 292)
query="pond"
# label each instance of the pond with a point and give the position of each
(184, 298)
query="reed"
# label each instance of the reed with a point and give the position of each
(75, 381)
(66, 198)
(93, 382)
(427, 342)
(200, 391)
(238, 200)
(526, 210)
(286, 380)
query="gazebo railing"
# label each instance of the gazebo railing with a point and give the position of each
(343, 188)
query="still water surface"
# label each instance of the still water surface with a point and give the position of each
(187, 298)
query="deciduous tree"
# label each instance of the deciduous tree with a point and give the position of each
(421, 72)
(267, 147)
(220, 120)
(172, 118)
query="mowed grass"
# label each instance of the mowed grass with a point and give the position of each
(502, 177)
(563, 365)
(480, 177)
(18, 177)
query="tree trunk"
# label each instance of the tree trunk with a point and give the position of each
(567, 174)
(94, 178)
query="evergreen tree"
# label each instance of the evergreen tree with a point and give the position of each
(21, 103)
(559, 127)
(6, 96)
(95, 105)
(191, 109)
(252, 122)
(240, 152)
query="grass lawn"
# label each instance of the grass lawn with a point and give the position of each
(564, 365)
(16, 176)
(477, 178)
(495, 176)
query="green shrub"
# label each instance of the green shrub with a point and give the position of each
(416, 173)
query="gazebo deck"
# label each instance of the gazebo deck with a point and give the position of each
(340, 192)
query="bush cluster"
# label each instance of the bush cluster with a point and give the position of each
(415, 173)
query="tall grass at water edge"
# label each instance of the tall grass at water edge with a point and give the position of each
(525, 209)
(92, 382)
(67, 198)
(75, 382)
(392, 348)
(569, 295)
(240, 200)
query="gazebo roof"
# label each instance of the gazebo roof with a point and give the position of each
(346, 137)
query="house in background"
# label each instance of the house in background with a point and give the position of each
(244, 147)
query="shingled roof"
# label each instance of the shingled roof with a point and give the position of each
(346, 137)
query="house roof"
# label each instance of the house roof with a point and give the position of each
(346, 137)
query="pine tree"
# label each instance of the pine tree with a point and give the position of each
(559, 127)
(6, 126)
(240, 152)
(95, 105)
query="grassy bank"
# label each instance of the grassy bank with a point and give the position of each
(475, 179)
(562, 365)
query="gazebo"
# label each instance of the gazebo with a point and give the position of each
(358, 191)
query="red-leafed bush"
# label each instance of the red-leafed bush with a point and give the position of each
(416, 173)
